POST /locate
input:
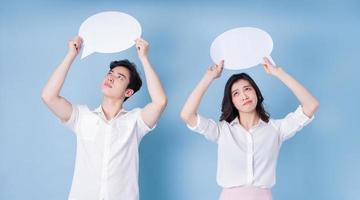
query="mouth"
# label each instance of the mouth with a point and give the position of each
(107, 85)
(247, 103)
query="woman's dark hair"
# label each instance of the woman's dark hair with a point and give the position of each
(229, 111)
(135, 80)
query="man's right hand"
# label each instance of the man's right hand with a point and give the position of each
(61, 107)
(75, 45)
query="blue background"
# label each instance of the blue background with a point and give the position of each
(315, 41)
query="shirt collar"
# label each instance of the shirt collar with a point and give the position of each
(99, 110)
(236, 121)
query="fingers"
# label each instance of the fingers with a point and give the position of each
(218, 68)
(137, 45)
(267, 62)
(268, 65)
(77, 45)
(266, 68)
(221, 63)
(141, 40)
(76, 42)
(78, 39)
(142, 47)
(211, 67)
(141, 43)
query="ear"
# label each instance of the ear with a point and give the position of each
(129, 92)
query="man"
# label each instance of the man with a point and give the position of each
(108, 137)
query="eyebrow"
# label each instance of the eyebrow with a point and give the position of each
(112, 71)
(121, 75)
(234, 91)
(245, 86)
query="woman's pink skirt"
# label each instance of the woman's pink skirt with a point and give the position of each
(245, 193)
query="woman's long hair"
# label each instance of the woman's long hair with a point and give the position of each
(229, 111)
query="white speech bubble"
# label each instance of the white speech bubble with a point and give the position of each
(241, 48)
(108, 32)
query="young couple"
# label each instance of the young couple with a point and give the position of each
(107, 158)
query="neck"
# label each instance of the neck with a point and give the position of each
(111, 107)
(248, 120)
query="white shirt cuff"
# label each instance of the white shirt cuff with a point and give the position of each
(193, 128)
(301, 117)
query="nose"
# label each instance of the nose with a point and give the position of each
(244, 96)
(110, 78)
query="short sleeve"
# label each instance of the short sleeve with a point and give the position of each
(140, 126)
(207, 127)
(292, 123)
(73, 122)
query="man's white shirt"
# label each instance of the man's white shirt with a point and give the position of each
(107, 157)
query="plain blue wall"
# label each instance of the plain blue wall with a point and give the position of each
(316, 41)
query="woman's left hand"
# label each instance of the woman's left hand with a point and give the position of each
(269, 67)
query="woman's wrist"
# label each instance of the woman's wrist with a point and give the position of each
(279, 72)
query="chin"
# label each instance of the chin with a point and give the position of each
(111, 95)
(106, 92)
(247, 110)
(103, 90)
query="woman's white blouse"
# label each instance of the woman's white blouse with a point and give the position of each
(249, 157)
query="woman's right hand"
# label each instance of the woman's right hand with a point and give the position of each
(215, 70)
(74, 45)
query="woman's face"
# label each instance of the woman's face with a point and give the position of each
(243, 96)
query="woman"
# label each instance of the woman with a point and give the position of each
(248, 139)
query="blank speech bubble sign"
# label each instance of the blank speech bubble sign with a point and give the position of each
(109, 32)
(241, 48)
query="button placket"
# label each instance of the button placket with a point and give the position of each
(250, 158)
(104, 174)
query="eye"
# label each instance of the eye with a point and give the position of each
(120, 77)
(247, 89)
(235, 94)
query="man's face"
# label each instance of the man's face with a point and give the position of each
(115, 83)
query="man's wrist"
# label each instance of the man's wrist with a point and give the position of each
(71, 54)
